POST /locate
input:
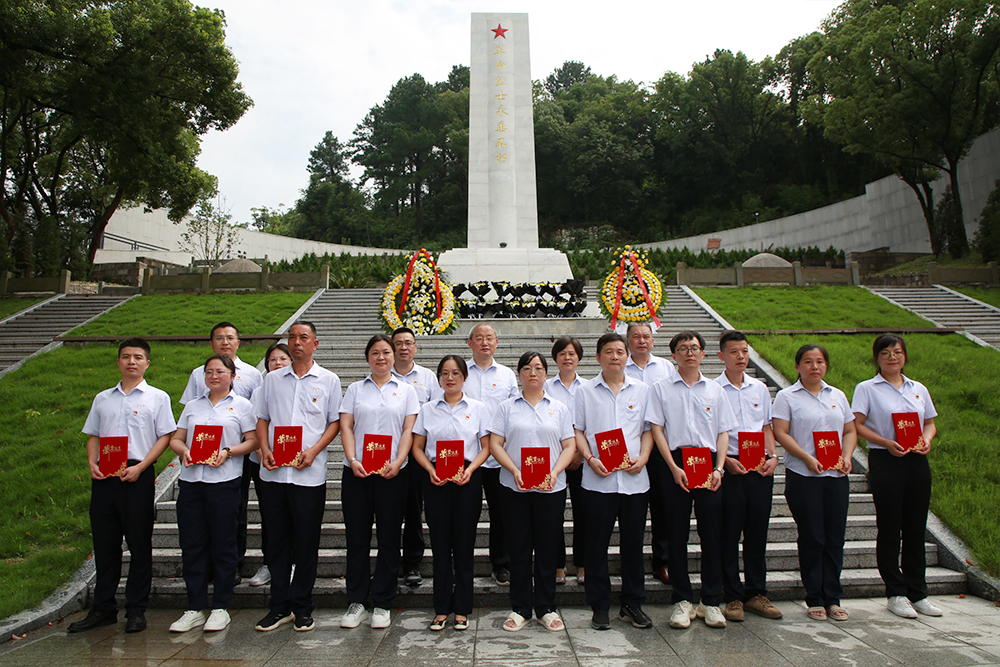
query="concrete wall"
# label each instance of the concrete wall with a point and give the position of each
(888, 215)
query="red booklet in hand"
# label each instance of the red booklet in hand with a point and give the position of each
(287, 445)
(909, 430)
(113, 457)
(752, 453)
(205, 444)
(828, 451)
(698, 467)
(449, 463)
(377, 450)
(612, 449)
(536, 471)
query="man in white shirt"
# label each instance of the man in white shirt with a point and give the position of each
(123, 506)
(746, 494)
(424, 381)
(491, 383)
(610, 401)
(294, 497)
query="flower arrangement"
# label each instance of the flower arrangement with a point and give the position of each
(419, 299)
(539, 299)
(631, 293)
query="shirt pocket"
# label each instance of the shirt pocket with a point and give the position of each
(316, 399)
(706, 408)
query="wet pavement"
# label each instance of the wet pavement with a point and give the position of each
(968, 634)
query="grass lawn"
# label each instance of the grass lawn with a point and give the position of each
(186, 314)
(961, 377)
(14, 305)
(990, 295)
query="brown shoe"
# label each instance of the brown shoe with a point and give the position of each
(761, 606)
(661, 574)
(733, 611)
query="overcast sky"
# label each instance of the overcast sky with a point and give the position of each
(312, 66)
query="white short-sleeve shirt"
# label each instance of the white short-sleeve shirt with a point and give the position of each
(236, 416)
(468, 421)
(143, 415)
(493, 386)
(546, 424)
(312, 402)
(877, 399)
(423, 380)
(657, 368)
(690, 416)
(379, 411)
(806, 413)
(598, 409)
(557, 391)
(751, 403)
(247, 379)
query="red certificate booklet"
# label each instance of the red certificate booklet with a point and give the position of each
(205, 443)
(828, 451)
(698, 467)
(377, 450)
(909, 430)
(536, 471)
(287, 445)
(612, 449)
(752, 454)
(449, 463)
(113, 457)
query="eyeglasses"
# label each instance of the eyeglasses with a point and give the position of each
(407, 343)
(688, 350)
(216, 373)
(229, 339)
(528, 370)
(891, 354)
(451, 374)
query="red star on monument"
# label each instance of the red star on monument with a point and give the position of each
(499, 31)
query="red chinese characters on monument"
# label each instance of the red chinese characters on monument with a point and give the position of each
(113, 457)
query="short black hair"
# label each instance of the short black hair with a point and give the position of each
(635, 325)
(564, 342)
(886, 341)
(683, 336)
(403, 330)
(224, 325)
(374, 339)
(526, 359)
(135, 342)
(267, 355)
(304, 323)
(610, 337)
(459, 361)
(732, 335)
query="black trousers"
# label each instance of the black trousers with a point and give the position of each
(207, 517)
(452, 515)
(381, 501)
(819, 507)
(603, 509)
(251, 472)
(660, 482)
(295, 517)
(533, 523)
(746, 511)
(122, 509)
(413, 530)
(901, 489)
(499, 557)
(574, 479)
(708, 513)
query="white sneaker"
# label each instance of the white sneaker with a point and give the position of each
(189, 621)
(262, 577)
(380, 618)
(900, 606)
(217, 620)
(682, 615)
(355, 616)
(926, 608)
(714, 617)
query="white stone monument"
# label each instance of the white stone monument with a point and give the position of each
(503, 207)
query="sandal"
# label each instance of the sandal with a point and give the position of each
(514, 622)
(439, 623)
(817, 613)
(552, 622)
(836, 612)
(461, 623)
(560, 578)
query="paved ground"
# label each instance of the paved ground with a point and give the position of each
(968, 634)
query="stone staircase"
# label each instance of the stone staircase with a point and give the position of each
(344, 321)
(24, 333)
(948, 308)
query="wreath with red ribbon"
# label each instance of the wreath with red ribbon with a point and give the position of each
(631, 293)
(419, 299)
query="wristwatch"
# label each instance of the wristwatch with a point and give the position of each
(352, 461)
(721, 471)
(768, 457)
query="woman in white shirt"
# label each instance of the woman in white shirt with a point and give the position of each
(900, 480)
(208, 501)
(533, 519)
(452, 506)
(378, 408)
(818, 498)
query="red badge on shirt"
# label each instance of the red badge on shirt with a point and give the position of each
(828, 451)
(536, 471)
(449, 463)
(287, 445)
(377, 449)
(698, 467)
(612, 449)
(113, 458)
(752, 454)
(205, 444)
(909, 433)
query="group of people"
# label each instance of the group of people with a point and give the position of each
(396, 422)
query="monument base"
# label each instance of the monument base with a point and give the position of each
(513, 265)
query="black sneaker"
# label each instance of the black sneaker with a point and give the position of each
(636, 616)
(413, 578)
(94, 619)
(273, 620)
(502, 576)
(304, 623)
(601, 620)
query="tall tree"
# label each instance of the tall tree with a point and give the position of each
(563, 78)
